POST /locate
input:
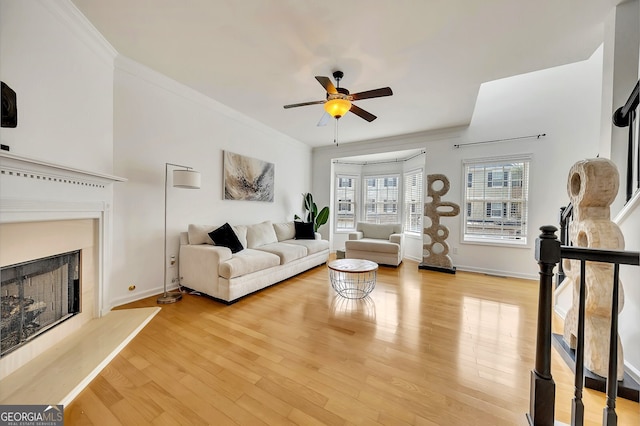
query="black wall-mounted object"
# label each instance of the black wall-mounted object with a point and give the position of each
(9, 107)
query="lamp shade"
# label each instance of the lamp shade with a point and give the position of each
(337, 107)
(189, 179)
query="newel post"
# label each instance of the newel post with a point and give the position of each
(543, 388)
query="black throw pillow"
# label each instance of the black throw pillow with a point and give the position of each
(304, 231)
(225, 237)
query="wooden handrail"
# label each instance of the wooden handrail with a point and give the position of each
(624, 117)
(549, 252)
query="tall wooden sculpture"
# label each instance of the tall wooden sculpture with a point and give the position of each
(592, 187)
(435, 250)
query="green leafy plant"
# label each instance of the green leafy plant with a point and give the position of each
(318, 218)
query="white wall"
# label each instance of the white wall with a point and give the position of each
(158, 121)
(563, 102)
(629, 222)
(62, 72)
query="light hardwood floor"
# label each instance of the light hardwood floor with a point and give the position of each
(426, 348)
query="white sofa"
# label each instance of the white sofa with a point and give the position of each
(271, 253)
(380, 243)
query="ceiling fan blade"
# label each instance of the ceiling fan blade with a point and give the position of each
(324, 119)
(377, 93)
(304, 104)
(362, 113)
(327, 84)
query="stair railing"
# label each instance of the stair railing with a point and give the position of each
(566, 216)
(624, 117)
(549, 251)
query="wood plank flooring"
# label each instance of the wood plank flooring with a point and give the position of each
(426, 348)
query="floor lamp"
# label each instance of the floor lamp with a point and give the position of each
(183, 178)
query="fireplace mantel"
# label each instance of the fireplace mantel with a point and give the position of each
(16, 163)
(33, 190)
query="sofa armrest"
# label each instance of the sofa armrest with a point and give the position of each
(358, 235)
(396, 238)
(184, 238)
(199, 266)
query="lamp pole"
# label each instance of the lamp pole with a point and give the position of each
(189, 179)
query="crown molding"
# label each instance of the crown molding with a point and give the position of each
(67, 13)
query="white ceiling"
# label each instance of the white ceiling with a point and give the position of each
(257, 55)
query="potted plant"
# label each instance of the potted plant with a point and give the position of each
(318, 218)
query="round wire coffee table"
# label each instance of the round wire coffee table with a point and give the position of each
(353, 278)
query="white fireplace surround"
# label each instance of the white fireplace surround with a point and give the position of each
(36, 191)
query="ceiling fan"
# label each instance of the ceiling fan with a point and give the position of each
(339, 101)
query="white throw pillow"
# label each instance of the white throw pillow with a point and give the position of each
(261, 234)
(241, 233)
(285, 231)
(199, 234)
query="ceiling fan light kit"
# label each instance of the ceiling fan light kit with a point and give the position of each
(338, 100)
(337, 107)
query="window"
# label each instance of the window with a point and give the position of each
(381, 197)
(496, 209)
(496, 179)
(345, 201)
(496, 197)
(413, 209)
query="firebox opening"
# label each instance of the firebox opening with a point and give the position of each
(36, 296)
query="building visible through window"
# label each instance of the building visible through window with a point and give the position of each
(496, 197)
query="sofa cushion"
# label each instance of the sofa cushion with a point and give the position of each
(246, 262)
(377, 230)
(304, 231)
(241, 232)
(286, 252)
(226, 237)
(374, 245)
(285, 231)
(313, 246)
(199, 234)
(261, 234)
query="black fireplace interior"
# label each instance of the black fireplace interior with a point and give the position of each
(36, 296)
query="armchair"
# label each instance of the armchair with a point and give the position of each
(380, 243)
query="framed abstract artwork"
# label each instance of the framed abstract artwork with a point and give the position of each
(247, 178)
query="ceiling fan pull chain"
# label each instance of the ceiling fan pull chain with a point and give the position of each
(335, 136)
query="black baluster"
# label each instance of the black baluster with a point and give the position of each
(610, 418)
(543, 388)
(563, 240)
(577, 406)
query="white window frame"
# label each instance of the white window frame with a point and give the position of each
(411, 207)
(338, 201)
(484, 225)
(381, 207)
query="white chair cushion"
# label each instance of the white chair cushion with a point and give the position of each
(374, 230)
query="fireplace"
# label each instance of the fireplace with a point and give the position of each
(37, 295)
(45, 210)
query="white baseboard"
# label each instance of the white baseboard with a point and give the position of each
(497, 273)
(632, 371)
(138, 296)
